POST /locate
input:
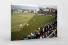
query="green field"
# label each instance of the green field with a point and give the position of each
(34, 20)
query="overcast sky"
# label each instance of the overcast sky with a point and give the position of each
(33, 6)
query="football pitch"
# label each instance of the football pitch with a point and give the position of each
(35, 21)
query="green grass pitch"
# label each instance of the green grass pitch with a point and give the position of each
(35, 21)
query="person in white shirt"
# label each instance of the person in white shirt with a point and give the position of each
(31, 33)
(27, 25)
(21, 26)
(39, 28)
(43, 36)
(43, 30)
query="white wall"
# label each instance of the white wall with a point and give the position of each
(46, 9)
(5, 22)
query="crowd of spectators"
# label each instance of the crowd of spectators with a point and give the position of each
(43, 32)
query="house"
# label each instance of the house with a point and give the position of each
(25, 10)
(33, 10)
(50, 11)
(15, 10)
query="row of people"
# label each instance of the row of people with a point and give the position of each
(43, 32)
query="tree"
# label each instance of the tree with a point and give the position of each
(41, 11)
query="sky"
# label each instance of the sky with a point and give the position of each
(33, 6)
(51, 6)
